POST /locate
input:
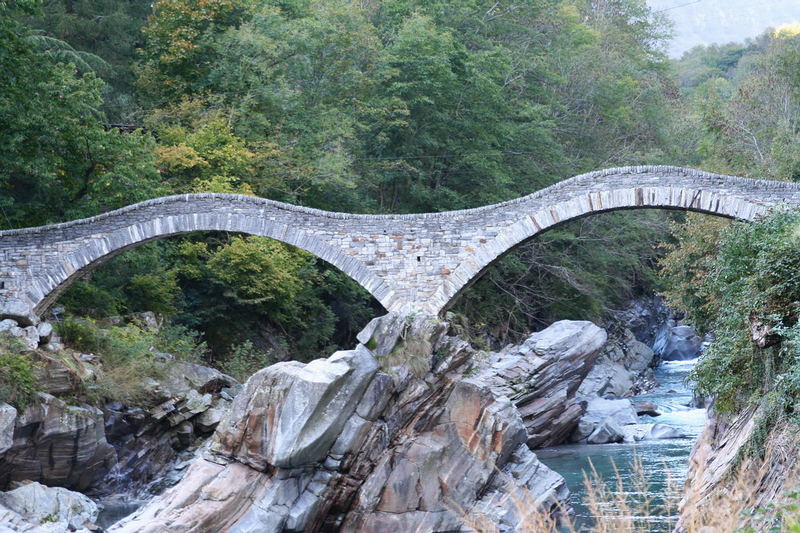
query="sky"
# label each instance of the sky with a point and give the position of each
(723, 21)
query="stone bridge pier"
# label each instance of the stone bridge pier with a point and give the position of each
(416, 262)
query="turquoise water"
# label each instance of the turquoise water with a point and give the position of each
(665, 462)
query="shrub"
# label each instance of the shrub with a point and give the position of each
(245, 359)
(18, 383)
(183, 343)
(752, 281)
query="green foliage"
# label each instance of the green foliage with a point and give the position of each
(129, 356)
(245, 359)
(751, 287)
(18, 381)
(396, 106)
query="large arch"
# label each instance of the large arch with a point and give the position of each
(529, 226)
(415, 262)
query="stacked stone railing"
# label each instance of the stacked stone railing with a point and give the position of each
(413, 262)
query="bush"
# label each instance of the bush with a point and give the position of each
(245, 359)
(18, 383)
(127, 354)
(752, 283)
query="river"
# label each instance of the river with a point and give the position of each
(665, 462)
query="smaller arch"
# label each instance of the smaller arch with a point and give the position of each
(94, 251)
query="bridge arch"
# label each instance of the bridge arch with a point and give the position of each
(578, 206)
(77, 263)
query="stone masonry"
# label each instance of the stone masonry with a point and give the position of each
(416, 262)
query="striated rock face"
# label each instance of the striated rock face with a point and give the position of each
(118, 448)
(58, 444)
(340, 445)
(623, 369)
(188, 404)
(290, 414)
(542, 375)
(653, 323)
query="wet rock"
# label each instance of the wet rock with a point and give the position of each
(635, 432)
(663, 431)
(56, 508)
(599, 410)
(646, 408)
(58, 444)
(682, 344)
(605, 432)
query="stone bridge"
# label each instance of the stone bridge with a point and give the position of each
(417, 262)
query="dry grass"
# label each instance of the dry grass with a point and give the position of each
(737, 506)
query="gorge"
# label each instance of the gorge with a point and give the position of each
(414, 430)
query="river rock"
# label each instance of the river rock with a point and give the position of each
(663, 431)
(335, 445)
(646, 408)
(606, 432)
(621, 369)
(598, 411)
(58, 444)
(542, 375)
(57, 508)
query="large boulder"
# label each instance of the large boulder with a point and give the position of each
(663, 431)
(606, 432)
(623, 369)
(599, 411)
(290, 414)
(56, 508)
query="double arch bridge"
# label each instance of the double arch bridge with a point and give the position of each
(414, 262)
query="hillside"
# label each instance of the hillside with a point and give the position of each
(723, 21)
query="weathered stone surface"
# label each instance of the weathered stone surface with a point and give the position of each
(45, 332)
(54, 507)
(290, 414)
(533, 484)
(152, 442)
(7, 417)
(715, 460)
(600, 410)
(646, 408)
(542, 376)
(58, 444)
(606, 431)
(682, 344)
(663, 431)
(619, 370)
(415, 262)
(410, 448)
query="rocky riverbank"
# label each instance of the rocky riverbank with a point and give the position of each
(409, 431)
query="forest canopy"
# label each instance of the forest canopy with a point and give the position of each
(375, 107)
